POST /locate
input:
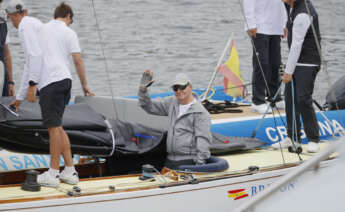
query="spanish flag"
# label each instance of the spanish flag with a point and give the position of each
(237, 194)
(233, 83)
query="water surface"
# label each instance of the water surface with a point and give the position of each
(171, 36)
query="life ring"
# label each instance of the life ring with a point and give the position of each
(213, 164)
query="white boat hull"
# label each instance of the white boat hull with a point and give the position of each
(204, 196)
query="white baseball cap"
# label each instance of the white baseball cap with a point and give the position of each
(15, 6)
(181, 79)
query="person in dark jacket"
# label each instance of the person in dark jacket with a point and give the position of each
(303, 64)
(189, 135)
(5, 58)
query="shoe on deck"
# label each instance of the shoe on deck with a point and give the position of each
(70, 178)
(261, 108)
(48, 180)
(313, 147)
(285, 143)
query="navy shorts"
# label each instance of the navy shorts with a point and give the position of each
(53, 99)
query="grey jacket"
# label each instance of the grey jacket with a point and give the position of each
(189, 135)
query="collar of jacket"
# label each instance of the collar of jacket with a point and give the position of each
(195, 108)
(298, 2)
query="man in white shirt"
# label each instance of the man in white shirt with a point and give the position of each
(28, 28)
(265, 23)
(5, 58)
(302, 67)
(60, 46)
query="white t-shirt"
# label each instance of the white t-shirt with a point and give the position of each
(58, 42)
(183, 108)
(28, 30)
(268, 16)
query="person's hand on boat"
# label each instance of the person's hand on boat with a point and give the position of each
(31, 93)
(11, 89)
(87, 91)
(15, 105)
(252, 32)
(146, 80)
(285, 33)
(199, 161)
(286, 78)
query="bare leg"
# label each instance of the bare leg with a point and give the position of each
(59, 145)
(67, 154)
(55, 147)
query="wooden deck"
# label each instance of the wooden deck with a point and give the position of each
(246, 113)
(265, 159)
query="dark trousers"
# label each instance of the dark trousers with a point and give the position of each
(303, 81)
(5, 89)
(268, 52)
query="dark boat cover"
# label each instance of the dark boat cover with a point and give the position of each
(92, 134)
(335, 98)
(89, 132)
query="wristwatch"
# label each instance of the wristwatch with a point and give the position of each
(32, 83)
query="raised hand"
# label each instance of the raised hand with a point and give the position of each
(146, 80)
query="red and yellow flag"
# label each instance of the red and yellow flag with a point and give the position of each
(233, 83)
(237, 194)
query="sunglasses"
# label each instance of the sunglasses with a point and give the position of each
(181, 87)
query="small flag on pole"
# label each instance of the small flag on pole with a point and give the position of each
(233, 83)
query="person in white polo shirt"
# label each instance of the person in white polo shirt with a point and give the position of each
(265, 24)
(60, 46)
(28, 28)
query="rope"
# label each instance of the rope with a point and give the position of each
(279, 135)
(105, 59)
(256, 53)
(294, 121)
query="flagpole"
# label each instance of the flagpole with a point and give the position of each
(218, 64)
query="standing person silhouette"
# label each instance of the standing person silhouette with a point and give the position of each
(265, 24)
(302, 66)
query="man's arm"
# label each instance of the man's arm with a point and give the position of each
(33, 51)
(21, 92)
(8, 65)
(158, 106)
(285, 19)
(300, 27)
(80, 67)
(249, 13)
(30, 44)
(203, 137)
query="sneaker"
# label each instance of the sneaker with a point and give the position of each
(48, 180)
(313, 147)
(285, 143)
(261, 108)
(70, 178)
